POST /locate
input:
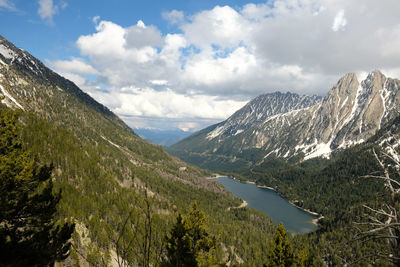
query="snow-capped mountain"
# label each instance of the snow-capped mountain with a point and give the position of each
(351, 112)
(260, 109)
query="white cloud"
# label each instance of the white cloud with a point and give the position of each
(210, 71)
(140, 35)
(256, 12)
(75, 78)
(109, 40)
(226, 53)
(6, 4)
(168, 104)
(96, 19)
(174, 16)
(159, 82)
(47, 10)
(221, 26)
(340, 22)
(73, 66)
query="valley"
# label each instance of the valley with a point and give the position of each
(107, 173)
(199, 133)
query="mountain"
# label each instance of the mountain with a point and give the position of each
(164, 138)
(351, 112)
(339, 188)
(108, 174)
(260, 109)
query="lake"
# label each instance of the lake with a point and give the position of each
(270, 202)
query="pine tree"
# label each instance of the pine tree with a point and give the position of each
(280, 254)
(189, 243)
(29, 236)
(179, 249)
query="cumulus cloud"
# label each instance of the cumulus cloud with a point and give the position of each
(140, 35)
(74, 66)
(233, 54)
(221, 26)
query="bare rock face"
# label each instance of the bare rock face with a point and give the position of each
(352, 112)
(260, 109)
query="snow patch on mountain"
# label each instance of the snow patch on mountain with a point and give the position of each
(320, 150)
(344, 102)
(6, 52)
(6, 94)
(216, 132)
(384, 94)
(239, 131)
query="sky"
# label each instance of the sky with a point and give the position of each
(189, 64)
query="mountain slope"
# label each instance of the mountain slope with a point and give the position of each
(337, 189)
(104, 169)
(351, 112)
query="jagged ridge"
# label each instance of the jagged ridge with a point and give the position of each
(351, 112)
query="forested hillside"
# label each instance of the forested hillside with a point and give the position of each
(338, 189)
(108, 175)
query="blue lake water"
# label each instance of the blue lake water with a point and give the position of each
(270, 202)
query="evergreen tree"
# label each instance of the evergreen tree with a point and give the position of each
(189, 244)
(179, 250)
(302, 258)
(280, 254)
(29, 236)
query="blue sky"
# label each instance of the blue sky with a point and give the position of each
(189, 64)
(54, 38)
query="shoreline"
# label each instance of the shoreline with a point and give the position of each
(215, 177)
(314, 221)
(266, 187)
(304, 209)
(243, 205)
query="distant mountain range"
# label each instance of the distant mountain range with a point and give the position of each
(163, 138)
(295, 127)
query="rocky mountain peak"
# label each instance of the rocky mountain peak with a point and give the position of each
(12, 55)
(260, 109)
(351, 112)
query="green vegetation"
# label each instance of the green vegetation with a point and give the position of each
(334, 188)
(114, 202)
(124, 194)
(103, 170)
(281, 253)
(101, 187)
(29, 234)
(189, 243)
